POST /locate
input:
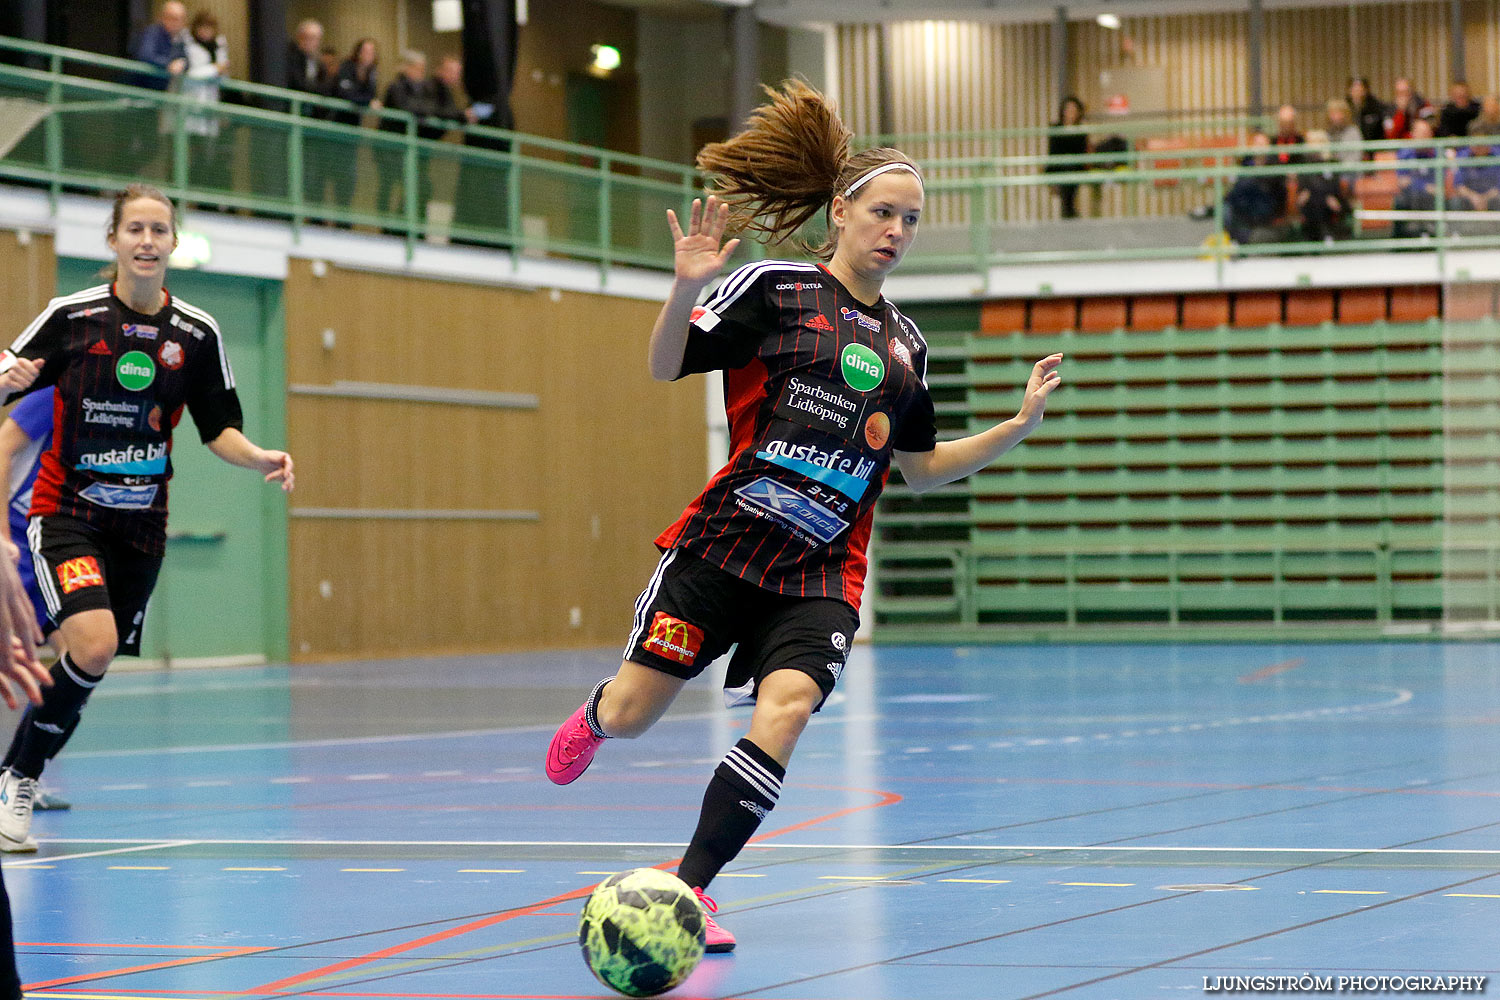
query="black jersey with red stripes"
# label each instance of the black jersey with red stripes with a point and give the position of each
(123, 379)
(819, 388)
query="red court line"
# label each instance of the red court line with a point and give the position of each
(89, 976)
(1256, 676)
(281, 985)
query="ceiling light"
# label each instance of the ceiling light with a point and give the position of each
(606, 58)
(1110, 21)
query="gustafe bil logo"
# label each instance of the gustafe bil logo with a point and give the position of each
(862, 368)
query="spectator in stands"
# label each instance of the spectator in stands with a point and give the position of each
(304, 60)
(413, 93)
(207, 61)
(161, 45)
(447, 90)
(1458, 112)
(1416, 180)
(1255, 202)
(356, 81)
(1476, 187)
(1368, 112)
(1322, 195)
(1343, 132)
(1287, 134)
(1407, 107)
(1488, 120)
(1073, 142)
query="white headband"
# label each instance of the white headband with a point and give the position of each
(881, 170)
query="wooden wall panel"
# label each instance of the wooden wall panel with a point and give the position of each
(1482, 45)
(608, 460)
(28, 278)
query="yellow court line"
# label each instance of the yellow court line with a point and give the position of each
(978, 881)
(273, 869)
(1475, 895)
(1106, 885)
(492, 871)
(10, 867)
(854, 878)
(140, 868)
(1351, 892)
(372, 869)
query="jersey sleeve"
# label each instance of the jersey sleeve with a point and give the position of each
(918, 428)
(727, 330)
(33, 414)
(44, 340)
(211, 399)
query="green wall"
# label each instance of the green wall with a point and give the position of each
(222, 590)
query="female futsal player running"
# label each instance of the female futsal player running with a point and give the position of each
(824, 384)
(126, 358)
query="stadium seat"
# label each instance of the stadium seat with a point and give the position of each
(1413, 303)
(1053, 315)
(1309, 306)
(1002, 316)
(1257, 309)
(1153, 312)
(1469, 301)
(1205, 310)
(1102, 314)
(1362, 305)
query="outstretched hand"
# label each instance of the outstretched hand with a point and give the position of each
(697, 255)
(277, 465)
(1044, 378)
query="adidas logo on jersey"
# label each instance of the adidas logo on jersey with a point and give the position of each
(100, 347)
(820, 322)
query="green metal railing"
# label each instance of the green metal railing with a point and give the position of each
(277, 152)
(77, 121)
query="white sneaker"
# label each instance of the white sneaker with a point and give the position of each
(17, 797)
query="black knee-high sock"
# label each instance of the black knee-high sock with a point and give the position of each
(45, 729)
(745, 787)
(591, 708)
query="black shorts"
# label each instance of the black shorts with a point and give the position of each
(692, 612)
(80, 568)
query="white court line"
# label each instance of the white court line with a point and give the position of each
(973, 848)
(143, 846)
(353, 741)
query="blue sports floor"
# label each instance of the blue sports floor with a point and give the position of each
(977, 823)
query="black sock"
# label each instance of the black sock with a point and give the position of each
(15, 740)
(48, 726)
(591, 707)
(745, 787)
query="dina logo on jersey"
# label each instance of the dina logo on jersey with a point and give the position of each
(136, 370)
(863, 370)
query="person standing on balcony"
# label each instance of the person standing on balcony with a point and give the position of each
(1067, 140)
(825, 387)
(161, 44)
(357, 81)
(1460, 110)
(207, 63)
(413, 93)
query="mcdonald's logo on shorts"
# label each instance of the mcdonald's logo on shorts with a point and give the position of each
(75, 574)
(674, 639)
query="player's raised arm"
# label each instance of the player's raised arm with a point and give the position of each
(698, 256)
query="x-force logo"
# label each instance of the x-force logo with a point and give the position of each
(75, 574)
(674, 639)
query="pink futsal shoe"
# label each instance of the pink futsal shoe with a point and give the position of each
(572, 749)
(716, 940)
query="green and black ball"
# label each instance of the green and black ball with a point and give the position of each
(641, 932)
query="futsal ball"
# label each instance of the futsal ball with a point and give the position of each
(641, 932)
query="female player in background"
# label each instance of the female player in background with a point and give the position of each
(126, 359)
(825, 386)
(19, 636)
